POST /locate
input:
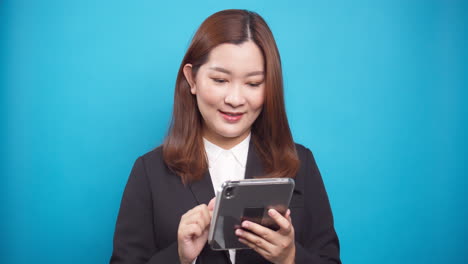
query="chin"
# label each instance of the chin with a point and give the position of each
(230, 133)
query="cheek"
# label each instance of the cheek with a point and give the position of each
(257, 100)
(208, 95)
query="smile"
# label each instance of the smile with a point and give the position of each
(231, 116)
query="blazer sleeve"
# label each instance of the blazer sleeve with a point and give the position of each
(134, 240)
(321, 244)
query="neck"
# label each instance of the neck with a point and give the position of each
(225, 142)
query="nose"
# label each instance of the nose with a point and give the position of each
(234, 96)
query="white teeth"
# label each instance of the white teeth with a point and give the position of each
(231, 114)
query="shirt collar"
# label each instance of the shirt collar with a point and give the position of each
(239, 151)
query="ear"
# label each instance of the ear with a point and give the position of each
(189, 77)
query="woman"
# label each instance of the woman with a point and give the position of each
(229, 122)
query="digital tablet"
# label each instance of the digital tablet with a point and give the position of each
(248, 199)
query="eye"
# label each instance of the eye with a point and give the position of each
(254, 84)
(219, 80)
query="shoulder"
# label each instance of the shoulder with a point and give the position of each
(152, 156)
(307, 160)
(303, 152)
(152, 162)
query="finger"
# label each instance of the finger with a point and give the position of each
(262, 231)
(190, 212)
(284, 224)
(211, 204)
(198, 215)
(191, 230)
(195, 217)
(211, 215)
(195, 221)
(255, 240)
(288, 216)
(205, 214)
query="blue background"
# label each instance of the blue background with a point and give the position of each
(377, 90)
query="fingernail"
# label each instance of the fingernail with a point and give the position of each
(288, 212)
(238, 232)
(245, 224)
(271, 212)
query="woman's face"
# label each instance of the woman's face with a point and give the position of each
(230, 91)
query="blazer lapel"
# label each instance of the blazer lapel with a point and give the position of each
(203, 189)
(253, 167)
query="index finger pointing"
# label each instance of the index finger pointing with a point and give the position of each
(211, 204)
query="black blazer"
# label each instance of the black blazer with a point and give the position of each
(155, 199)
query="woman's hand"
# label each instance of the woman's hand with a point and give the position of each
(193, 231)
(275, 246)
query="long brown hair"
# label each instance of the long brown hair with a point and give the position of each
(183, 149)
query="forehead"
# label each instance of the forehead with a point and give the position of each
(242, 58)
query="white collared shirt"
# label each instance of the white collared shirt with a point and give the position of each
(226, 165)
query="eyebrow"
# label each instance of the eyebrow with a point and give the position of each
(220, 69)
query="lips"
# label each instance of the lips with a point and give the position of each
(231, 116)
